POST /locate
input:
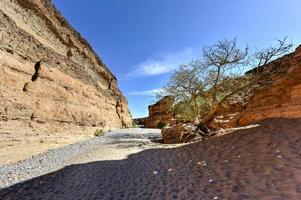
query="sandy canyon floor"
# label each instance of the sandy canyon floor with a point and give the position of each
(259, 163)
(17, 146)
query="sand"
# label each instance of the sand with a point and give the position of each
(18, 146)
(259, 163)
(113, 145)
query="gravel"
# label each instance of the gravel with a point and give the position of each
(56, 159)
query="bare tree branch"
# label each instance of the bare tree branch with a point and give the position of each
(206, 85)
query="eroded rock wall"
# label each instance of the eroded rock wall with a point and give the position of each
(160, 112)
(50, 78)
(280, 99)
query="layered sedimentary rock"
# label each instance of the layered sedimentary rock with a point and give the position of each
(160, 112)
(50, 78)
(282, 98)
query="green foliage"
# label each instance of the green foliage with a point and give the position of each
(188, 110)
(161, 125)
(99, 133)
(134, 125)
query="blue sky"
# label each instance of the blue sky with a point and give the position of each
(143, 41)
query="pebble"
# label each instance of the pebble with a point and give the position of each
(156, 172)
(211, 180)
(203, 163)
(55, 159)
(170, 170)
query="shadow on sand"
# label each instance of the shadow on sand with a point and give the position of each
(259, 163)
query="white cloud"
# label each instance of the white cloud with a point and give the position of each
(146, 92)
(164, 63)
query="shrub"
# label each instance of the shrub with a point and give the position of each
(161, 125)
(134, 125)
(188, 110)
(99, 132)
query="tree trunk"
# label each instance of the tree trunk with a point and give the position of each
(210, 116)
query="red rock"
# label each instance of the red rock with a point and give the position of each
(160, 112)
(281, 99)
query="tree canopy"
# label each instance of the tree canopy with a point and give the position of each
(201, 87)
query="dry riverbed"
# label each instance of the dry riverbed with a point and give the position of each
(257, 163)
(114, 145)
(17, 146)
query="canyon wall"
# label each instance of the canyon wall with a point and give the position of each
(281, 99)
(51, 80)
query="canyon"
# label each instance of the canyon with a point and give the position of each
(51, 80)
(65, 124)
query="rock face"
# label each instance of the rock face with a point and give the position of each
(50, 78)
(160, 112)
(281, 99)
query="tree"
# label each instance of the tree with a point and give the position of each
(209, 82)
(262, 58)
